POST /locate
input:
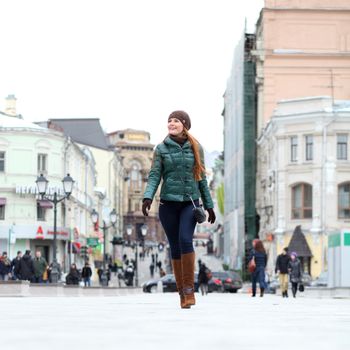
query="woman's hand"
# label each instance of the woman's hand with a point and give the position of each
(146, 206)
(212, 216)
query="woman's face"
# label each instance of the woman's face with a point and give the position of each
(292, 257)
(175, 127)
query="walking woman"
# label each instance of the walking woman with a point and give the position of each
(259, 255)
(179, 162)
(294, 268)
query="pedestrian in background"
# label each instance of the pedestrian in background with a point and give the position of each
(26, 267)
(258, 253)
(203, 279)
(40, 266)
(15, 266)
(282, 263)
(73, 276)
(199, 264)
(129, 276)
(5, 267)
(151, 269)
(161, 272)
(86, 274)
(295, 273)
(179, 161)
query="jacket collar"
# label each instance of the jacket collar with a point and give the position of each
(169, 142)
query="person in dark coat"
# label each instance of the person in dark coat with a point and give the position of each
(282, 269)
(295, 273)
(86, 274)
(258, 253)
(5, 267)
(26, 267)
(15, 266)
(129, 275)
(203, 279)
(40, 266)
(151, 269)
(73, 276)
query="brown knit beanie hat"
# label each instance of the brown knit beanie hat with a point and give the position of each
(183, 117)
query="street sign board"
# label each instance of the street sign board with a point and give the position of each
(92, 242)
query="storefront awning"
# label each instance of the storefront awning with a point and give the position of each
(45, 204)
(2, 201)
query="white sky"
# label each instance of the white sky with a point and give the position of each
(128, 62)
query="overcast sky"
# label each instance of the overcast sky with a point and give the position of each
(128, 62)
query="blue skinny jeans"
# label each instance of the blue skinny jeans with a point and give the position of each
(179, 223)
(258, 276)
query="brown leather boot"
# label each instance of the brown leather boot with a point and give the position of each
(188, 261)
(177, 269)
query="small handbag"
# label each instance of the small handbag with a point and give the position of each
(198, 212)
(252, 265)
(301, 287)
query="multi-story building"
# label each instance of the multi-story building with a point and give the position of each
(302, 49)
(26, 220)
(240, 155)
(136, 152)
(304, 178)
(108, 189)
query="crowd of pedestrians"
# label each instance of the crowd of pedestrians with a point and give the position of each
(288, 268)
(25, 267)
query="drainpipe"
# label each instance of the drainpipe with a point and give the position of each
(323, 185)
(66, 170)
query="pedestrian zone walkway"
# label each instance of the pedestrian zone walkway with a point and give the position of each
(155, 321)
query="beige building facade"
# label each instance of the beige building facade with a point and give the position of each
(136, 152)
(302, 49)
(304, 177)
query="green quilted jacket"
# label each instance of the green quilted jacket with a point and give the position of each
(171, 169)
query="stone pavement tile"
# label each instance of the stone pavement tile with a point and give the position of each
(155, 321)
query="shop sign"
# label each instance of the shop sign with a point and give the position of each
(32, 189)
(59, 233)
(39, 233)
(92, 242)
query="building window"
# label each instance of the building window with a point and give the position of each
(302, 201)
(2, 161)
(135, 176)
(344, 201)
(42, 163)
(2, 212)
(309, 143)
(293, 148)
(40, 212)
(342, 147)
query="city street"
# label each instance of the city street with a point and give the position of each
(155, 321)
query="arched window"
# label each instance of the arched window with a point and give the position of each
(344, 200)
(302, 201)
(135, 176)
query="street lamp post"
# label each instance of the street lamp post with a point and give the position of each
(42, 183)
(113, 219)
(144, 229)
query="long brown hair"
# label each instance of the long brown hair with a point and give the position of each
(258, 246)
(199, 167)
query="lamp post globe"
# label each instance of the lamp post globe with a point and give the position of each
(68, 184)
(113, 217)
(42, 183)
(144, 230)
(94, 216)
(129, 230)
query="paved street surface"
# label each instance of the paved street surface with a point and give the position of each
(154, 321)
